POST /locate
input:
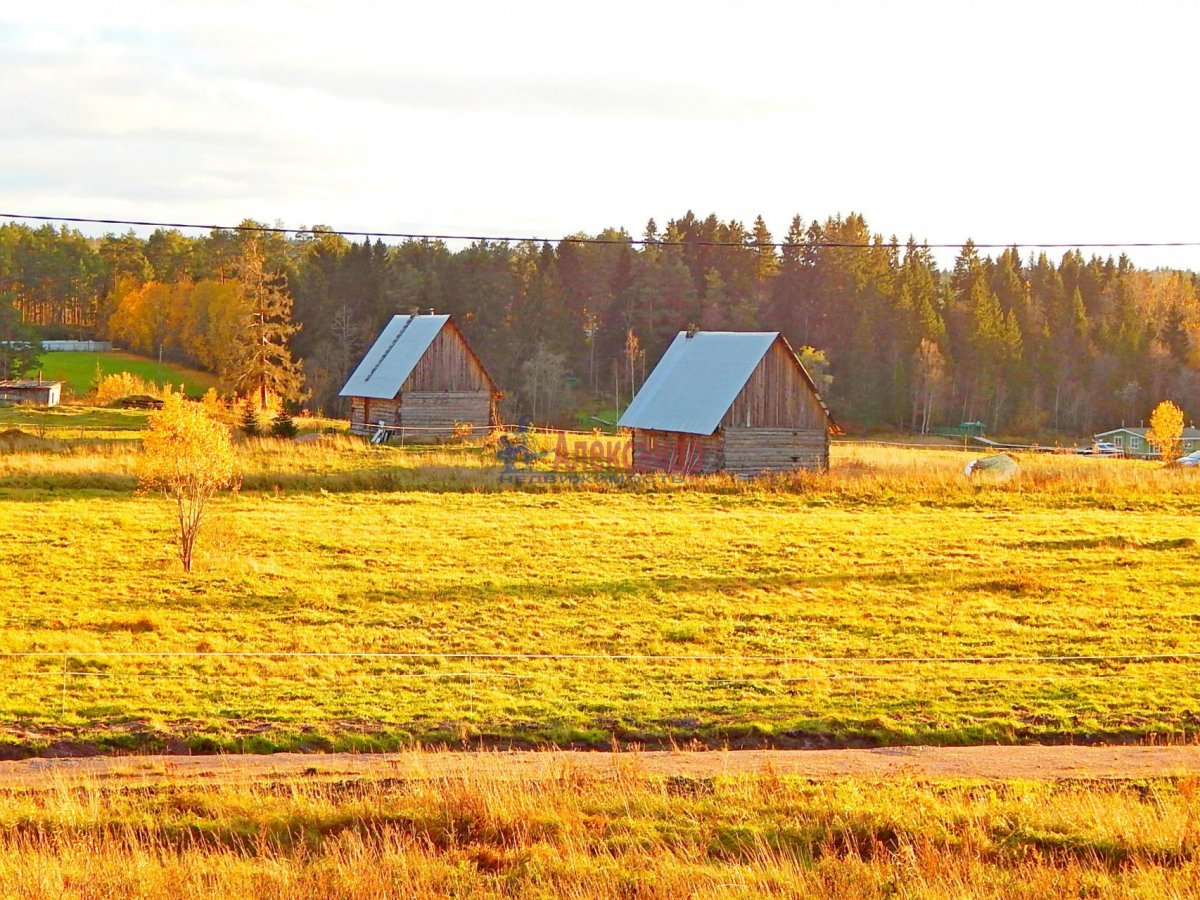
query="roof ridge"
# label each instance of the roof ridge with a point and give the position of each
(395, 340)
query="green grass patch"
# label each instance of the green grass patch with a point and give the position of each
(78, 370)
(67, 420)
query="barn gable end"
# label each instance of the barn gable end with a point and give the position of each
(420, 379)
(733, 402)
(449, 364)
(778, 394)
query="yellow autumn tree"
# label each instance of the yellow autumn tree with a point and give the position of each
(188, 457)
(1166, 429)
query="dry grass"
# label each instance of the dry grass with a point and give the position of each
(860, 472)
(621, 835)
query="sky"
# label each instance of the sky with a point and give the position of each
(1014, 122)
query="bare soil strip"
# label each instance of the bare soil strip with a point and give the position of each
(924, 763)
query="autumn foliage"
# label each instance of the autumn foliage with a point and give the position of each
(1166, 429)
(187, 456)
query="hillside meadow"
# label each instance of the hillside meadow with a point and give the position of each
(79, 371)
(722, 612)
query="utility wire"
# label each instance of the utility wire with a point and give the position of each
(499, 239)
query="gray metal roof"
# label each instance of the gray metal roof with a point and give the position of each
(697, 380)
(393, 356)
(1189, 433)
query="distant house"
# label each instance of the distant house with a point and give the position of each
(1132, 441)
(738, 402)
(420, 380)
(39, 393)
(77, 346)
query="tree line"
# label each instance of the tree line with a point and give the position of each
(1028, 344)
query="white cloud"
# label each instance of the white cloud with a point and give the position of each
(1022, 122)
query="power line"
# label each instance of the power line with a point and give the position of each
(512, 239)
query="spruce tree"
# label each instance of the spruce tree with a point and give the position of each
(282, 425)
(249, 423)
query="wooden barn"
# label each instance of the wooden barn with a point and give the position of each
(419, 379)
(38, 393)
(738, 402)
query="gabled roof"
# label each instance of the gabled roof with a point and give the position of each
(1189, 434)
(393, 356)
(28, 384)
(698, 378)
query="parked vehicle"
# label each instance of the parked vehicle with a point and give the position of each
(1101, 448)
(1191, 460)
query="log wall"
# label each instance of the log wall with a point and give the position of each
(753, 451)
(431, 415)
(677, 453)
(367, 412)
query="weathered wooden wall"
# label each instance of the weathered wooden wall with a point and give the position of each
(777, 395)
(753, 451)
(424, 416)
(432, 414)
(677, 453)
(44, 395)
(367, 412)
(448, 365)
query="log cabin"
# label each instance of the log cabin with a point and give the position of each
(737, 402)
(419, 383)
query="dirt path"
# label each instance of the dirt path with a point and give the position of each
(1027, 762)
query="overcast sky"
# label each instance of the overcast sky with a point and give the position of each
(1003, 122)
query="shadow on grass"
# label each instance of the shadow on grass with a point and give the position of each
(1107, 542)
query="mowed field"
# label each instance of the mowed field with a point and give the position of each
(869, 605)
(78, 370)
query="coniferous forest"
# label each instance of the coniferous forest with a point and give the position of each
(1037, 344)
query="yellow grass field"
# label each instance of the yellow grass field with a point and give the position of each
(786, 612)
(590, 835)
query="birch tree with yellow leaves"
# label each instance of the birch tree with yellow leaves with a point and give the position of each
(188, 457)
(1166, 429)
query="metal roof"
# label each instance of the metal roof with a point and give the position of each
(697, 380)
(1189, 434)
(393, 356)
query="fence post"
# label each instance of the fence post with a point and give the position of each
(64, 686)
(471, 686)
